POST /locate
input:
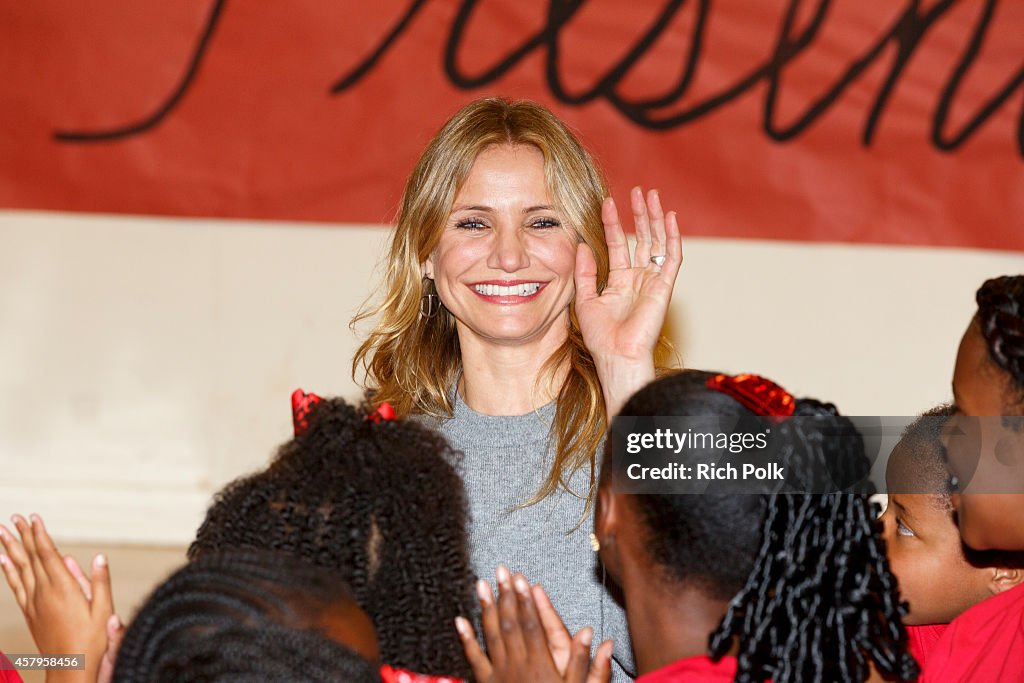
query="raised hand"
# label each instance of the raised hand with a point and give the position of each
(517, 640)
(66, 612)
(622, 323)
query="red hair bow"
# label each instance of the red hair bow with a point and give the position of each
(760, 395)
(385, 411)
(302, 406)
(390, 674)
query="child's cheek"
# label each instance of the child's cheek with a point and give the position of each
(910, 573)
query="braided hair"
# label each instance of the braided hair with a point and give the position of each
(1001, 318)
(240, 616)
(382, 504)
(812, 597)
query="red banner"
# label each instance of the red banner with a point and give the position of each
(861, 121)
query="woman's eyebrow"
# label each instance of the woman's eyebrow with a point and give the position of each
(539, 207)
(472, 207)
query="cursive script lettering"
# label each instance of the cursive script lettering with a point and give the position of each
(904, 36)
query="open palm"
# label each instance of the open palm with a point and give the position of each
(622, 323)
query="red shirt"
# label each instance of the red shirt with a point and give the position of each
(985, 643)
(8, 675)
(700, 669)
(923, 639)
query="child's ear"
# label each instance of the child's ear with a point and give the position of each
(606, 525)
(1005, 578)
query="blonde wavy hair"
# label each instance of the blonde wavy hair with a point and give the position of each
(412, 362)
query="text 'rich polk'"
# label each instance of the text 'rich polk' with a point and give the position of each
(708, 472)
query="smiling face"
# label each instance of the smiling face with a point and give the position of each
(504, 263)
(921, 537)
(988, 455)
(927, 557)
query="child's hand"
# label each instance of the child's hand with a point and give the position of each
(559, 639)
(115, 634)
(115, 629)
(66, 612)
(517, 638)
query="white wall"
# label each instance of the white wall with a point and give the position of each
(144, 362)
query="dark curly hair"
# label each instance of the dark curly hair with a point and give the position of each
(1001, 318)
(812, 597)
(382, 504)
(240, 616)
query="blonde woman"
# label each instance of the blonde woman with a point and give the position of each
(513, 318)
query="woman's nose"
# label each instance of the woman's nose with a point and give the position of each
(508, 251)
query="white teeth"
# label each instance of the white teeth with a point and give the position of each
(525, 289)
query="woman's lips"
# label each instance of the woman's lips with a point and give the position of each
(508, 292)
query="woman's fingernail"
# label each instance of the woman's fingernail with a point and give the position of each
(99, 561)
(522, 585)
(462, 626)
(4, 560)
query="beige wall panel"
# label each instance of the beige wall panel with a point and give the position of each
(144, 362)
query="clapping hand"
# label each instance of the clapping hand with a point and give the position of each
(66, 611)
(526, 640)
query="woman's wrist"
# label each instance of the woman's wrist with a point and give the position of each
(621, 379)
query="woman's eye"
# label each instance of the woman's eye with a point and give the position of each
(545, 223)
(470, 224)
(902, 529)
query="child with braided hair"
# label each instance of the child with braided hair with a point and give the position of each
(985, 447)
(988, 380)
(247, 615)
(723, 587)
(241, 615)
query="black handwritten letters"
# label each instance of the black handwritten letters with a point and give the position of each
(897, 44)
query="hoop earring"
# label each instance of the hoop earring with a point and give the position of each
(430, 302)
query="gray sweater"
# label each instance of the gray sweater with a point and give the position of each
(506, 460)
